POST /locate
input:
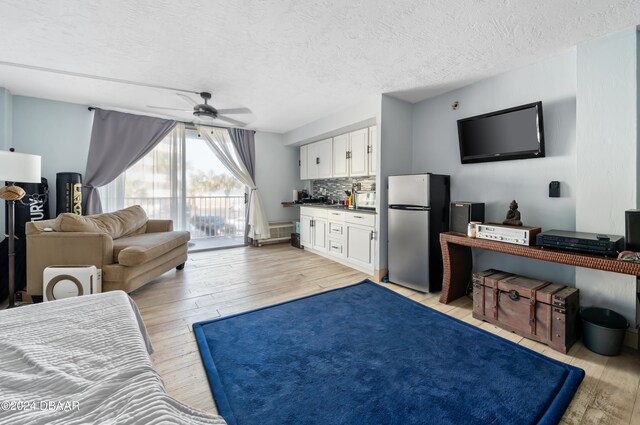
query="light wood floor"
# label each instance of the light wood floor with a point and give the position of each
(220, 283)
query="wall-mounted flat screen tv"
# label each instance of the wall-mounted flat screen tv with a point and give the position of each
(514, 133)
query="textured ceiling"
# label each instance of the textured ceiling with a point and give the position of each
(289, 61)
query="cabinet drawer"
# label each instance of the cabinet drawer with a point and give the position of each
(336, 248)
(336, 215)
(336, 230)
(314, 212)
(363, 219)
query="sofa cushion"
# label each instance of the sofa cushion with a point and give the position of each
(138, 249)
(129, 221)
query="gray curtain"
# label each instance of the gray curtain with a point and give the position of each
(118, 141)
(245, 143)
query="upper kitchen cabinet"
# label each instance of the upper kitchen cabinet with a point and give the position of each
(373, 150)
(358, 153)
(351, 154)
(304, 167)
(341, 156)
(319, 159)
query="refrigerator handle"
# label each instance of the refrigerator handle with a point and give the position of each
(409, 207)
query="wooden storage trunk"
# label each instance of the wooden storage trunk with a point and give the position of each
(543, 311)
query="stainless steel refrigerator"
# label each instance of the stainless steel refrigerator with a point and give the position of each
(418, 213)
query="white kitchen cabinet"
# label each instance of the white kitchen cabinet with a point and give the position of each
(341, 155)
(312, 161)
(358, 153)
(336, 234)
(343, 236)
(324, 150)
(373, 150)
(360, 245)
(351, 154)
(303, 162)
(319, 226)
(306, 235)
(314, 229)
(319, 158)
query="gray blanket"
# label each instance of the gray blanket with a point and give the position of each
(83, 360)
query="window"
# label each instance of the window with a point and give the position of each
(182, 179)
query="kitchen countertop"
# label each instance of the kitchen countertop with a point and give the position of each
(337, 207)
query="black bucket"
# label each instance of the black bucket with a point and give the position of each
(603, 330)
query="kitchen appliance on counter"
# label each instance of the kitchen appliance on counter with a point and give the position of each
(300, 196)
(418, 213)
(364, 199)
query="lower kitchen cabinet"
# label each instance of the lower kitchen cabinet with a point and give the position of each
(306, 235)
(343, 236)
(360, 245)
(319, 242)
(313, 229)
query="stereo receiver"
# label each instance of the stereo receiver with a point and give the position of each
(518, 235)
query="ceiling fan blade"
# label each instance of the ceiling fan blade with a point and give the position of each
(235, 111)
(169, 109)
(231, 121)
(188, 99)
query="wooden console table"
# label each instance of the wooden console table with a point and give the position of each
(457, 259)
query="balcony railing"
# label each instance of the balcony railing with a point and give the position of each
(204, 216)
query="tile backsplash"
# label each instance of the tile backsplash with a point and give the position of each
(334, 188)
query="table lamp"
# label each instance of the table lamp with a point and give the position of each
(23, 168)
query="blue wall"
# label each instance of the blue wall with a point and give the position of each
(436, 149)
(58, 131)
(607, 156)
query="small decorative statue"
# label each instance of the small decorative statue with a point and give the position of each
(513, 216)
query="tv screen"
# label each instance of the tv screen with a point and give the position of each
(514, 133)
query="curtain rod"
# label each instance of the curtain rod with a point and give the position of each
(92, 108)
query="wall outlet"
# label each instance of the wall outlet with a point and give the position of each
(554, 189)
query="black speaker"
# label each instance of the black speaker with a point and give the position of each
(632, 230)
(461, 213)
(68, 193)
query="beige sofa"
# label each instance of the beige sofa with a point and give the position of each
(130, 249)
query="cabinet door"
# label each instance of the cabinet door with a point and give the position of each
(360, 245)
(303, 163)
(319, 230)
(306, 235)
(373, 150)
(359, 162)
(312, 161)
(340, 161)
(324, 153)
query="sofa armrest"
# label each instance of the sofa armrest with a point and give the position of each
(64, 248)
(155, 226)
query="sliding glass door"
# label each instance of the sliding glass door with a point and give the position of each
(215, 199)
(183, 180)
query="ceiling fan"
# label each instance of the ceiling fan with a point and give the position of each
(204, 110)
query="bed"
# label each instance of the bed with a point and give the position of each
(83, 360)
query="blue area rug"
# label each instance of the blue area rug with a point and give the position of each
(366, 355)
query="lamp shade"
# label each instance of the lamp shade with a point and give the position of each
(19, 167)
